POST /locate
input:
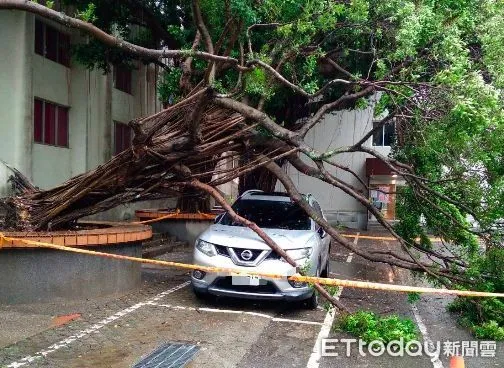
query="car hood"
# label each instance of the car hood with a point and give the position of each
(243, 237)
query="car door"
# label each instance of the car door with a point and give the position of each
(325, 239)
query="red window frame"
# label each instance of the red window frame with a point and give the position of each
(49, 131)
(122, 137)
(50, 123)
(122, 78)
(52, 44)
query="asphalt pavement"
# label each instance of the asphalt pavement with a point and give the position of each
(120, 330)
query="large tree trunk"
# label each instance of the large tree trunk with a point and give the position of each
(193, 201)
(260, 178)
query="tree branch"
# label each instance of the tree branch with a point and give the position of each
(310, 123)
(280, 78)
(193, 119)
(256, 115)
(106, 38)
(376, 128)
(207, 40)
(257, 25)
(185, 78)
(200, 23)
(153, 21)
(412, 264)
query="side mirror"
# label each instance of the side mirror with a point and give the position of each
(218, 218)
(321, 232)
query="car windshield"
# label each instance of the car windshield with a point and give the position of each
(270, 214)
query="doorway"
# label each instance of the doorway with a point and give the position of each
(383, 198)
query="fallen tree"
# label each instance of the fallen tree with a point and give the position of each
(252, 79)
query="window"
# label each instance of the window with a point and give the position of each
(122, 137)
(52, 44)
(384, 136)
(122, 78)
(50, 123)
(270, 214)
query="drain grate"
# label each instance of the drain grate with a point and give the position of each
(169, 355)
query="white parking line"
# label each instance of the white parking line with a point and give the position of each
(94, 328)
(316, 354)
(423, 330)
(232, 311)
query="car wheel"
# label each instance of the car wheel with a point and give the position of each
(200, 294)
(326, 271)
(312, 302)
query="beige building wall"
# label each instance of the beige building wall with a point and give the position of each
(338, 130)
(15, 80)
(94, 104)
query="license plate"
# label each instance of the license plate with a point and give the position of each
(245, 280)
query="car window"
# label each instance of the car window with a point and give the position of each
(270, 214)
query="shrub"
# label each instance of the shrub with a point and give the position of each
(485, 318)
(369, 327)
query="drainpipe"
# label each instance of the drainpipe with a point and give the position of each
(107, 133)
(88, 118)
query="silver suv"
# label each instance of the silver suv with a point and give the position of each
(228, 244)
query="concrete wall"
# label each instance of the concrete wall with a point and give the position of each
(185, 230)
(229, 189)
(338, 130)
(126, 212)
(15, 83)
(93, 101)
(41, 275)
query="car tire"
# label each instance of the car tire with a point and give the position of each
(200, 294)
(312, 302)
(326, 271)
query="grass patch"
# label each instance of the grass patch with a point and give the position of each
(370, 327)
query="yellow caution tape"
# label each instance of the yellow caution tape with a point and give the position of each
(380, 237)
(297, 277)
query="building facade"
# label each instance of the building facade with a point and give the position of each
(57, 118)
(343, 129)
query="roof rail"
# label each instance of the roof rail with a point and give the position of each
(251, 191)
(308, 196)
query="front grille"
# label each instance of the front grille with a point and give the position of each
(255, 254)
(273, 255)
(221, 250)
(266, 287)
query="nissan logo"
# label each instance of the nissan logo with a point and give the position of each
(246, 255)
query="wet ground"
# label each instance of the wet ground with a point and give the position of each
(118, 331)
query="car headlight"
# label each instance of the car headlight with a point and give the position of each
(206, 247)
(301, 253)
